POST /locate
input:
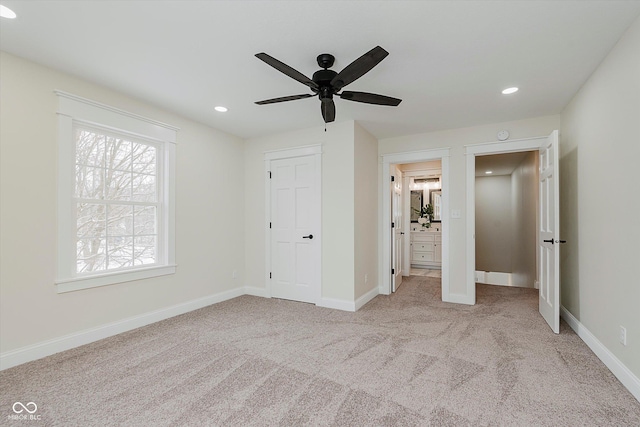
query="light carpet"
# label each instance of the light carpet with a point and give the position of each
(405, 359)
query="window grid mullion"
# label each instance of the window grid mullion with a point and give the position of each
(104, 198)
(133, 210)
(106, 234)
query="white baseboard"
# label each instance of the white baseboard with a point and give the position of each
(255, 291)
(66, 342)
(337, 304)
(459, 299)
(626, 377)
(360, 302)
(383, 291)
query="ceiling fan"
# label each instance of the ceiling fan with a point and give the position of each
(325, 83)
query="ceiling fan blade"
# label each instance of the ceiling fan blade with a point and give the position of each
(370, 98)
(328, 108)
(284, 98)
(359, 67)
(284, 68)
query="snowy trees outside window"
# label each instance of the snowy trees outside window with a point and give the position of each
(116, 201)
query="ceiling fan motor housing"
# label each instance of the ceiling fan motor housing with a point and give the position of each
(323, 79)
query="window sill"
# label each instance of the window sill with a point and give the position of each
(79, 283)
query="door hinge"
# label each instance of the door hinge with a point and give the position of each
(393, 225)
(393, 178)
(269, 275)
(393, 271)
(269, 174)
(269, 225)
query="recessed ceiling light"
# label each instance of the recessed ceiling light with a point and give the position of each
(221, 109)
(5, 12)
(509, 90)
(489, 172)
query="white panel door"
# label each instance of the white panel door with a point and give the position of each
(549, 233)
(397, 229)
(295, 206)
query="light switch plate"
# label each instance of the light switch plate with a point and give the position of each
(455, 213)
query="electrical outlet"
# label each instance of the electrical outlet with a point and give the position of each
(234, 274)
(623, 335)
(366, 278)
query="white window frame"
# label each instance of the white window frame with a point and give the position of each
(74, 110)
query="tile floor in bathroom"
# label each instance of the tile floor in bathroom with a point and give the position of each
(425, 272)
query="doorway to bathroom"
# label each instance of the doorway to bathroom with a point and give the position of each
(396, 224)
(423, 220)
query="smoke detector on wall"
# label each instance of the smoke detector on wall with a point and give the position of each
(503, 135)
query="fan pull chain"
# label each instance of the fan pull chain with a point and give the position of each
(325, 126)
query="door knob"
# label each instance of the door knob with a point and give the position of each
(310, 236)
(552, 241)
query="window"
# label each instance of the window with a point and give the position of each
(115, 196)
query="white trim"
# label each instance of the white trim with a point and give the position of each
(470, 248)
(406, 178)
(460, 299)
(485, 148)
(445, 225)
(66, 342)
(337, 304)
(95, 104)
(353, 306)
(267, 227)
(110, 278)
(287, 153)
(73, 108)
(364, 299)
(256, 291)
(384, 267)
(411, 156)
(435, 173)
(512, 146)
(626, 377)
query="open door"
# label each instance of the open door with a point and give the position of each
(397, 227)
(549, 233)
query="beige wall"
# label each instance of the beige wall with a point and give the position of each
(456, 139)
(494, 223)
(600, 150)
(524, 211)
(209, 231)
(338, 258)
(366, 211)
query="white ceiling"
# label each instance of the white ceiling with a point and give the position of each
(499, 164)
(448, 60)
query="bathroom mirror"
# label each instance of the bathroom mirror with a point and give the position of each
(436, 202)
(416, 205)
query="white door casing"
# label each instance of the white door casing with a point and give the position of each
(397, 248)
(293, 228)
(406, 225)
(384, 254)
(549, 234)
(549, 304)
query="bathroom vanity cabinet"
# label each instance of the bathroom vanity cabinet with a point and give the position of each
(426, 248)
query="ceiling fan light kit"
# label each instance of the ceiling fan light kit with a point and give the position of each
(326, 83)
